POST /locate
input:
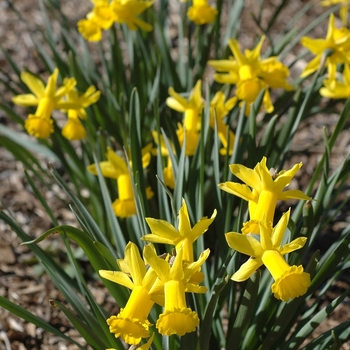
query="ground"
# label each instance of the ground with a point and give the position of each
(20, 278)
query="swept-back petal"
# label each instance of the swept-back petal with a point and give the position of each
(296, 244)
(162, 232)
(35, 85)
(244, 244)
(239, 190)
(25, 100)
(190, 269)
(247, 175)
(118, 163)
(224, 65)
(184, 221)
(106, 168)
(234, 46)
(246, 270)
(293, 194)
(279, 230)
(136, 264)
(201, 226)
(117, 277)
(160, 266)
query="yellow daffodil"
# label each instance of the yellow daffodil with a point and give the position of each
(131, 324)
(116, 168)
(219, 108)
(126, 11)
(101, 17)
(290, 281)
(47, 98)
(201, 12)
(336, 88)
(262, 190)
(250, 74)
(337, 42)
(74, 129)
(183, 237)
(344, 7)
(176, 318)
(192, 109)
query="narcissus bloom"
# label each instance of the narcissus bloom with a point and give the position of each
(126, 11)
(131, 324)
(251, 75)
(344, 7)
(74, 129)
(337, 42)
(176, 318)
(290, 281)
(192, 109)
(47, 98)
(201, 12)
(336, 88)
(183, 237)
(262, 189)
(116, 168)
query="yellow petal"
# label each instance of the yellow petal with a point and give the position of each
(34, 84)
(244, 244)
(25, 100)
(117, 277)
(136, 264)
(162, 232)
(237, 189)
(246, 270)
(296, 244)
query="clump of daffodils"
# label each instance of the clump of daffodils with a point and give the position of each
(160, 280)
(262, 190)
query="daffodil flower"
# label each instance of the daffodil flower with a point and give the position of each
(46, 98)
(337, 42)
(183, 237)
(344, 7)
(126, 11)
(219, 108)
(262, 190)
(251, 75)
(192, 109)
(116, 168)
(131, 324)
(290, 281)
(201, 12)
(176, 318)
(74, 129)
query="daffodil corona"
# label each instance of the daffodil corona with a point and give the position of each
(176, 318)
